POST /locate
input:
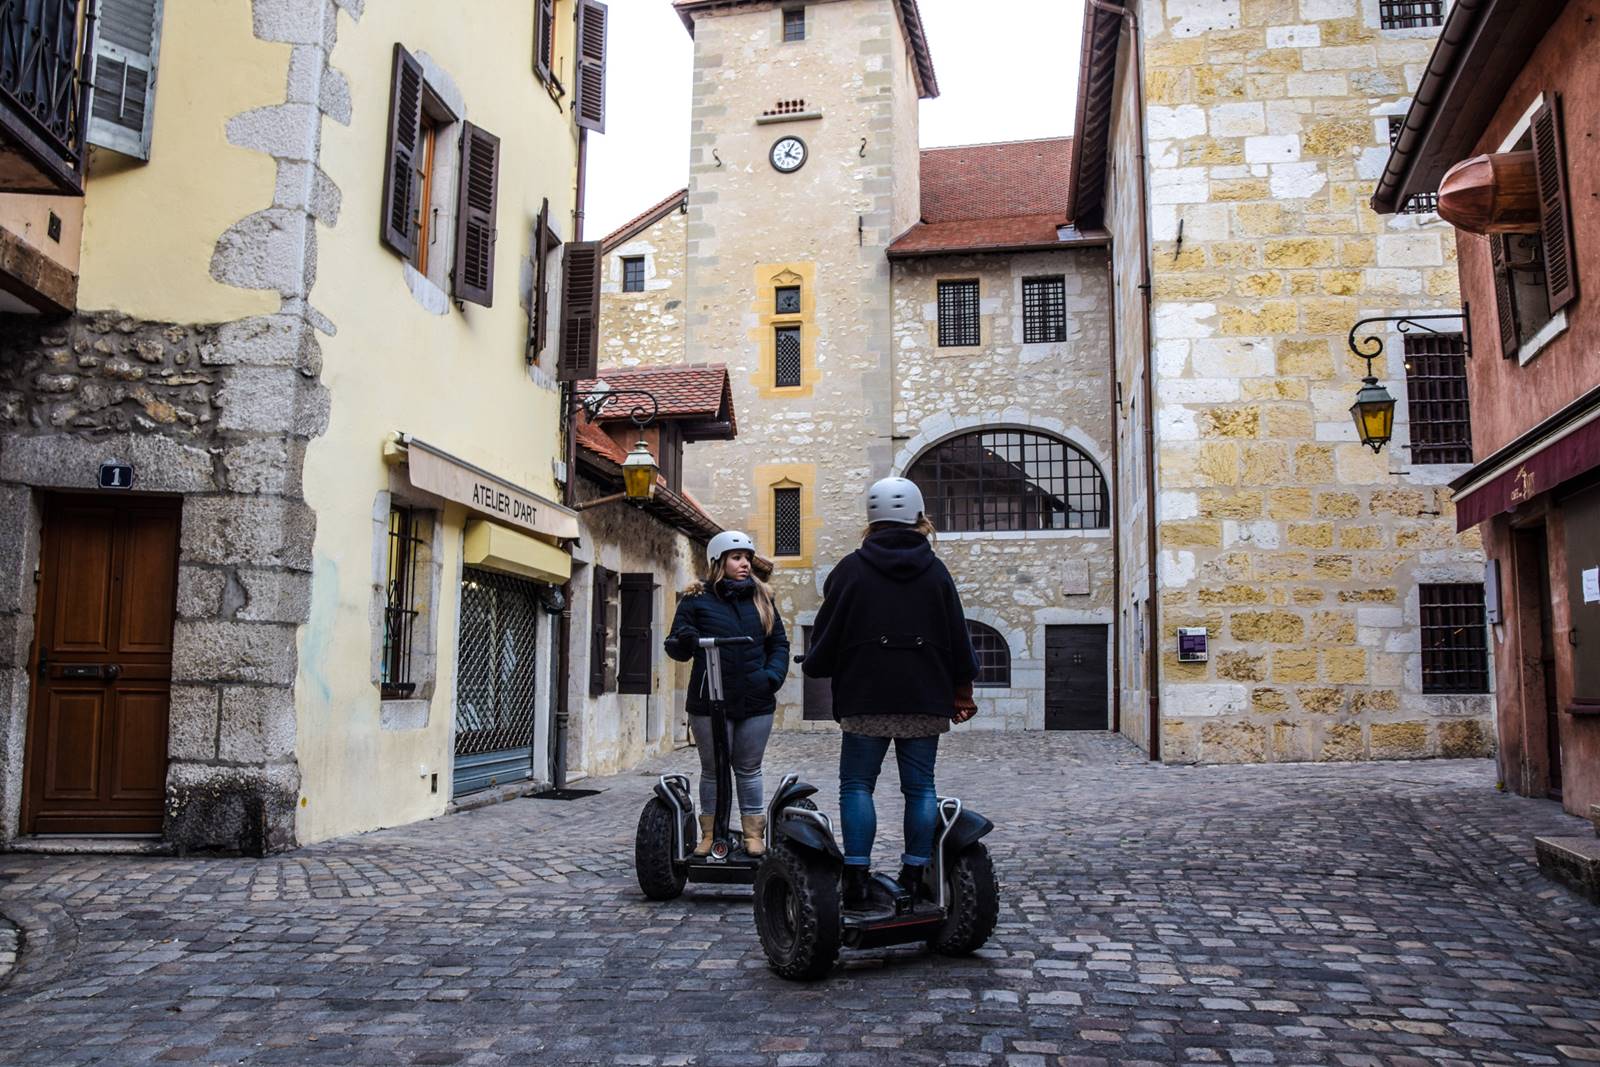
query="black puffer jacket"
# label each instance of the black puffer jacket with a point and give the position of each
(751, 673)
(891, 633)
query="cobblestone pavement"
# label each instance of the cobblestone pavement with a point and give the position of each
(1351, 915)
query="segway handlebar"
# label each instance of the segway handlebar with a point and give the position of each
(723, 642)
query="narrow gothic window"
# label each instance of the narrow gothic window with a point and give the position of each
(788, 300)
(1455, 656)
(787, 371)
(1044, 310)
(786, 521)
(794, 24)
(633, 274)
(958, 314)
(1436, 391)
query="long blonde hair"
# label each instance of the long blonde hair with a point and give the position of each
(763, 594)
(923, 526)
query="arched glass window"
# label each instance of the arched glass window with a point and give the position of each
(994, 657)
(1011, 480)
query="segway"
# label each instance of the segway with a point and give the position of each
(798, 901)
(663, 856)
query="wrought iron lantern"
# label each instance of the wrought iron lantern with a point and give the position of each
(639, 467)
(1373, 410)
(639, 474)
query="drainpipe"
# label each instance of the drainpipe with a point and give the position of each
(1147, 391)
(1116, 528)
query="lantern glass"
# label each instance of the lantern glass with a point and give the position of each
(639, 474)
(1374, 415)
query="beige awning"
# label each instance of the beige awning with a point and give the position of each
(433, 470)
(499, 548)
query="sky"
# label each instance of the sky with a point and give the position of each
(1008, 70)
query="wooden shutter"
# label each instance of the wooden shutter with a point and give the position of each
(123, 101)
(540, 307)
(544, 27)
(634, 635)
(402, 179)
(476, 204)
(589, 103)
(580, 311)
(1504, 306)
(598, 634)
(1555, 212)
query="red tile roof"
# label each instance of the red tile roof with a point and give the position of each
(644, 220)
(680, 510)
(699, 391)
(1009, 196)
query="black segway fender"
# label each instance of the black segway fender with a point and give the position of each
(790, 794)
(969, 827)
(808, 833)
(680, 800)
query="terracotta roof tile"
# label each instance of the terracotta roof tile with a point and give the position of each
(694, 390)
(597, 442)
(989, 197)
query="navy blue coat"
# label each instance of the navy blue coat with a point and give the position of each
(891, 632)
(751, 673)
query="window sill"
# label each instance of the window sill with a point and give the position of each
(1539, 341)
(423, 290)
(403, 714)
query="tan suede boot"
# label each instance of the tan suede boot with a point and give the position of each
(755, 834)
(707, 825)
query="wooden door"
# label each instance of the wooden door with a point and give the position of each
(97, 729)
(1075, 678)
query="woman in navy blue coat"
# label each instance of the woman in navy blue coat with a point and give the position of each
(732, 602)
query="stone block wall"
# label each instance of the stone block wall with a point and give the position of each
(1297, 547)
(646, 328)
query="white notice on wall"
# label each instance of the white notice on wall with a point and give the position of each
(1591, 586)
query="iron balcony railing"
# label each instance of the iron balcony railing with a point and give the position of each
(46, 53)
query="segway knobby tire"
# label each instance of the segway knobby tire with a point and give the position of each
(797, 912)
(653, 847)
(974, 904)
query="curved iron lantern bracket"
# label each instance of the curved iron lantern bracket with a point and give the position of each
(1370, 347)
(646, 409)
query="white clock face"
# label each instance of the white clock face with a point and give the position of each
(789, 155)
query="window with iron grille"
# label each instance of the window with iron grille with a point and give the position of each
(1455, 654)
(1011, 480)
(794, 24)
(787, 372)
(1404, 14)
(994, 657)
(1436, 388)
(1419, 203)
(633, 274)
(786, 521)
(400, 603)
(1044, 310)
(787, 300)
(958, 314)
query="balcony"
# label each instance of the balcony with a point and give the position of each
(45, 54)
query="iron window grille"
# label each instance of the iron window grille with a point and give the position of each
(1436, 390)
(992, 480)
(1455, 654)
(786, 522)
(1418, 203)
(633, 274)
(400, 603)
(497, 687)
(1044, 310)
(794, 24)
(787, 301)
(1404, 14)
(958, 314)
(994, 657)
(46, 50)
(787, 371)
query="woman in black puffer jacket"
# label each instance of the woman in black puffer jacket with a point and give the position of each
(892, 635)
(732, 602)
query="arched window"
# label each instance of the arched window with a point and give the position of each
(994, 657)
(1011, 480)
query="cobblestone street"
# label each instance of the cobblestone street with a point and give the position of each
(1373, 914)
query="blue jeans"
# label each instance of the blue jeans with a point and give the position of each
(860, 760)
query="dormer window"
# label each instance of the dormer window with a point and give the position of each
(794, 24)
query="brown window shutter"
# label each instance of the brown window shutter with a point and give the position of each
(634, 633)
(544, 27)
(540, 302)
(598, 635)
(580, 311)
(1503, 305)
(1555, 211)
(476, 203)
(590, 102)
(401, 180)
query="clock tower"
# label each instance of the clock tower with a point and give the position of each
(803, 168)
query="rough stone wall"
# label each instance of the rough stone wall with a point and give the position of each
(1015, 582)
(646, 329)
(1296, 546)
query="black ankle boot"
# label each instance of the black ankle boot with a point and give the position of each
(855, 887)
(912, 879)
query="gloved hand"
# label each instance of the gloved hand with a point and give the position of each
(687, 639)
(966, 707)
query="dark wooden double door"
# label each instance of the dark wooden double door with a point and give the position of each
(97, 729)
(1075, 678)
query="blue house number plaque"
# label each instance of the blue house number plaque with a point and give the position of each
(115, 475)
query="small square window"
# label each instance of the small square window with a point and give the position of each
(794, 24)
(958, 314)
(633, 274)
(786, 522)
(1436, 390)
(787, 371)
(1404, 14)
(1044, 310)
(1455, 652)
(788, 300)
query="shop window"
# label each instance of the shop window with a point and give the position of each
(1044, 310)
(1455, 654)
(1436, 391)
(1011, 480)
(635, 634)
(1421, 202)
(787, 368)
(633, 274)
(401, 602)
(786, 521)
(1404, 14)
(958, 314)
(994, 656)
(794, 24)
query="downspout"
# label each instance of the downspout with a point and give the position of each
(1147, 389)
(1116, 528)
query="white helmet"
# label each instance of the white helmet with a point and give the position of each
(729, 541)
(894, 500)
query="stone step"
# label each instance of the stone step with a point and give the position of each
(108, 844)
(1572, 861)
